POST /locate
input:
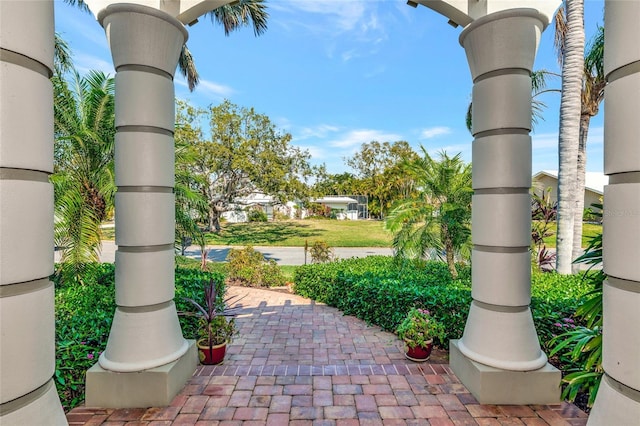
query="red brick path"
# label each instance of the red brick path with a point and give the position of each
(296, 362)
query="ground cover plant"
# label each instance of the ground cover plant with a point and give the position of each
(84, 312)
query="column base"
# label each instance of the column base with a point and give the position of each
(491, 385)
(615, 404)
(155, 387)
(40, 407)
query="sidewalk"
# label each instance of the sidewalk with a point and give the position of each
(297, 362)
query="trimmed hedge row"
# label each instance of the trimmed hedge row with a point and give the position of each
(381, 291)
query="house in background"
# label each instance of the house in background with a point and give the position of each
(345, 207)
(238, 212)
(593, 188)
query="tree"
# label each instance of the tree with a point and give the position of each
(591, 96)
(439, 215)
(376, 166)
(571, 51)
(190, 203)
(246, 155)
(83, 174)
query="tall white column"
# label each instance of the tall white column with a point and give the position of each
(27, 327)
(145, 335)
(499, 356)
(618, 400)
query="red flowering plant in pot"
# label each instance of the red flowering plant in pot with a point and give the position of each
(216, 325)
(417, 330)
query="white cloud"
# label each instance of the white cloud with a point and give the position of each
(432, 132)
(215, 88)
(320, 131)
(206, 87)
(85, 63)
(358, 137)
(357, 24)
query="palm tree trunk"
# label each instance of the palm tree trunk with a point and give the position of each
(580, 184)
(449, 251)
(569, 133)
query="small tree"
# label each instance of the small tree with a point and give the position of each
(439, 215)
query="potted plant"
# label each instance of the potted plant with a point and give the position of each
(216, 325)
(418, 330)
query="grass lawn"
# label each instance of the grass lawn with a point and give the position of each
(294, 233)
(588, 230)
(337, 233)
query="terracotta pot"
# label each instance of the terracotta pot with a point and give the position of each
(213, 355)
(418, 353)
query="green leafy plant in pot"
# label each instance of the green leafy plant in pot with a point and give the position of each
(216, 325)
(418, 330)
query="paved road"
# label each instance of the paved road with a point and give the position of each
(282, 255)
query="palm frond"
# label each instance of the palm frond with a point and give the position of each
(187, 67)
(241, 13)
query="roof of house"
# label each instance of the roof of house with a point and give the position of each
(594, 181)
(335, 199)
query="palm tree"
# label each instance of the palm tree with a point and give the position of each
(571, 49)
(592, 95)
(83, 174)
(232, 16)
(439, 215)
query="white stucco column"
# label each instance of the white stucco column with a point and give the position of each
(27, 327)
(499, 356)
(618, 400)
(145, 336)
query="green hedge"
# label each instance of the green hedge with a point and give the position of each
(83, 320)
(381, 291)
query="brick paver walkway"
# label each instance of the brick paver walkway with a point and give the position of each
(296, 362)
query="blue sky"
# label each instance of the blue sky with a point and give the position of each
(339, 73)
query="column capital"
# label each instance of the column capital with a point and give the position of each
(185, 11)
(464, 12)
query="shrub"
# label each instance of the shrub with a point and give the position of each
(381, 291)
(83, 320)
(257, 215)
(321, 252)
(248, 267)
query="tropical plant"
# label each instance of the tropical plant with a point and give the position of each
(214, 326)
(321, 252)
(418, 328)
(570, 44)
(543, 215)
(439, 216)
(83, 171)
(582, 345)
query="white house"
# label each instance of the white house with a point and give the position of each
(342, 204)
(593, 188)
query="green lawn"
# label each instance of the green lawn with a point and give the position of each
(337, 233)
(588, 230)
(294, 233)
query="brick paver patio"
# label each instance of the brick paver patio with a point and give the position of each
(296, 362)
